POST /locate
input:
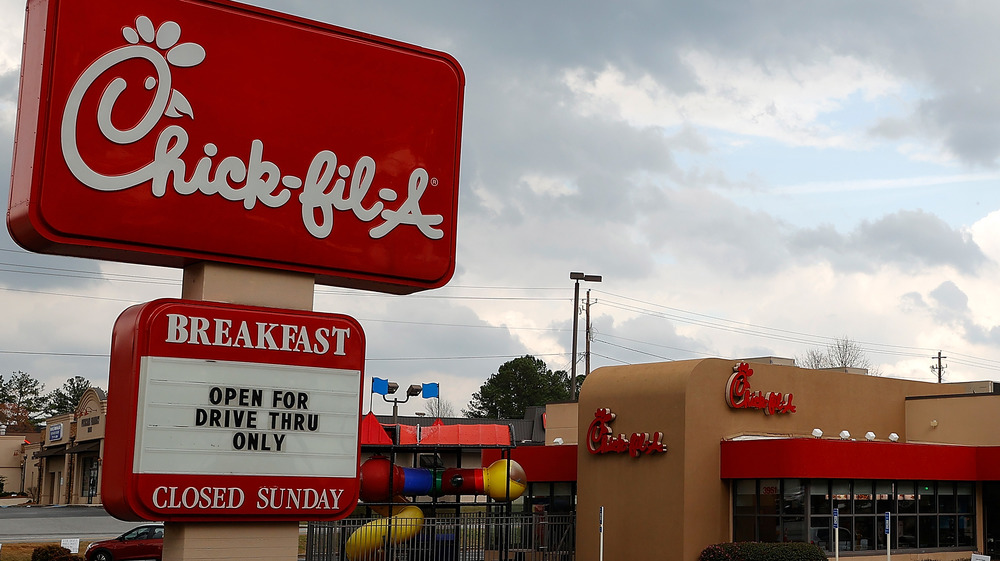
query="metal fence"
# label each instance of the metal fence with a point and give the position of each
(469, 537)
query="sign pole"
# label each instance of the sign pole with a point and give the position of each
(601, 531)
(226, 540)
(888, 539)
(836, 534)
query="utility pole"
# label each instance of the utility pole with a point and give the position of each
(939, 368)
(586, 371)
(577, 276)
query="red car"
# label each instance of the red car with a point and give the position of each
(141, 542)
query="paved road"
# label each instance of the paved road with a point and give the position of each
(54, 523)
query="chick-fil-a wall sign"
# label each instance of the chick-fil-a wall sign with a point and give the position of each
(739, 395)
(225, 412)
(602, 440)
(173, 131)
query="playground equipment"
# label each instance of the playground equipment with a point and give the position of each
(384, 482)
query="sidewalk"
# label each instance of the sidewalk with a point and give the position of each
(13, 501)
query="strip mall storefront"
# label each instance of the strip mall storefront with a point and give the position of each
(682, 455)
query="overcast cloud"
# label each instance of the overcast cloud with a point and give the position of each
(750, 178)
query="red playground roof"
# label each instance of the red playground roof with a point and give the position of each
(439, 434)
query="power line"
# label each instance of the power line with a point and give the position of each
(616, 301)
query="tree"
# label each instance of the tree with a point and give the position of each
(438, 409)
(67, 398)
(24, 393)
(843, 352)
(516, 385)
(14, 416)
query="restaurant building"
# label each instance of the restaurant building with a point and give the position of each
(682, 455)
(66, 467)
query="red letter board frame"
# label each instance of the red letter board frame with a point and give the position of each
(250, 96)
(152, 360)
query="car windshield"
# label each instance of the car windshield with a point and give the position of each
(143, 533)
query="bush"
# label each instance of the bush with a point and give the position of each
(49, 552)
(755, 551)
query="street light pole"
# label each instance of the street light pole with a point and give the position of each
(576, 319)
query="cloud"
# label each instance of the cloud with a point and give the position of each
(882, 184)
(909, 240)
(645, 141)
(949, 307)
(951, 303)
(783, 102)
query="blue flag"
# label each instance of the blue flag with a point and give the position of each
(431, 390)
(380, 386)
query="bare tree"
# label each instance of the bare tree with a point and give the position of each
(843, 352)
(813, 359)
(435, 407)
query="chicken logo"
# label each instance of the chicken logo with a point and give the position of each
(328, 185)
(144, 42)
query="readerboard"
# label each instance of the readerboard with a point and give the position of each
(225, 412)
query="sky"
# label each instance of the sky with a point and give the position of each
(754, 178)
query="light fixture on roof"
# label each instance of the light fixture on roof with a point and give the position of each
(893, 437)
(817, 433)
(386, 388)
(558, 441)
(869, 436)
(934, 423)
(844, 435)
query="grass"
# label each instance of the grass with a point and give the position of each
(22, 551)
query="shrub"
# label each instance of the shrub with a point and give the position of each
(49, 552)
(756, 551)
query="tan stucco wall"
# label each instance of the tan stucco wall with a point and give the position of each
(10, 461)
(676, 502)
(561, 422)
(90, 416)
(967, 419)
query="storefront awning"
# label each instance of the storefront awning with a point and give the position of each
(848, 459)
(92, 446)
(54, 451)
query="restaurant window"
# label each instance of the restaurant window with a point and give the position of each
(770, 494)
(923, 514)
(793, 497)
(883, 497)
(906, 497)
(819, 496)
(864, 497)
(926, 498)
(842, 496)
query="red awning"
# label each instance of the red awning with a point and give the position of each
(848, 459)
(373, 433)
(540, 463)
(465, 435)
(407, 434)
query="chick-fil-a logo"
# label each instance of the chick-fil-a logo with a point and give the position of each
(601, 440)
(323, 190)
(739, 395)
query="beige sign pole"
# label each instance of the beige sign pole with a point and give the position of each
(239, 541)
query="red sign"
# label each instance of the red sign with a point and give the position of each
(168, 132)
(739, 395)
(225, 412)
(600, 439)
